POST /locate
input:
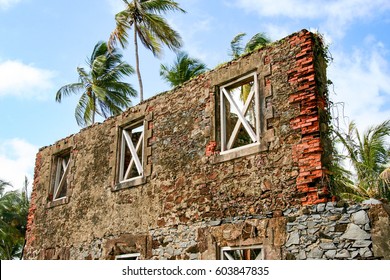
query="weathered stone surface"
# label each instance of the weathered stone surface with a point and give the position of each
(327, 246)
(315, 253)
(360, 218)
(302, 255)
(354, 232)
(354, 208)
(215, 223)
(380, 230)
(365, 253)
(293, 239)
(361, 243)
(345, 219)
(321, 207)
(342, 254)
(330, 254)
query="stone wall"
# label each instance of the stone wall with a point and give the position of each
(324, 231)
(329, 231)
(187, 182)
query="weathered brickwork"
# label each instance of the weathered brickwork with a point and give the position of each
(192, 199)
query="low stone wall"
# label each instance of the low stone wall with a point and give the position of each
(329, 231)
(324, 231)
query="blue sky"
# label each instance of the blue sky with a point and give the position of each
(42, 43)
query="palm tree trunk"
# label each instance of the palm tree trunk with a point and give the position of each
(94, 109)
(141, 90)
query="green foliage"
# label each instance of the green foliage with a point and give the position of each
(236, 48)
(258, 41)
(183, 69)
(369, 155)
(144, 17)
(13, 223)
(102, 91)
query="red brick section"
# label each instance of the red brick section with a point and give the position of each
(31, 213)
(210, 148)
(308, 152)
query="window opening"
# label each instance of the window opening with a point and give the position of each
(60, 183)
(131, 160)
(240, 113)
(133, 256)
(242, 253)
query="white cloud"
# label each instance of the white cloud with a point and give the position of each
(5, 4)
(116, 6)
(362, 81)
(336, 15)
(17, 158)
(19, 79)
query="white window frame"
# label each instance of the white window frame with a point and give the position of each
(132, 256)
(226, 144)
(226, 256)
(62, 169)
(135, 160)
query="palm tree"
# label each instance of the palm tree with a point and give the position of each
(102, 91)
(183, 69)
(258, 40)
(13, 223)
(144, 16)
(369, 154)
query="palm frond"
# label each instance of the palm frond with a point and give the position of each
(68, 90)
(257, 41)
(183, 69)
(236, 48)
(161, 6)
(83, 112)
(368, 154)
(106, 69)
(123, 23)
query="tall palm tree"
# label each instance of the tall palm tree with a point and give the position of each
(102, 91)
(144, 16)
(13, 221)
(369, 154)
(183, 69)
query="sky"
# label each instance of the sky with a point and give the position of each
(42, 42)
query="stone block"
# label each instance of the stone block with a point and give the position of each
(360, 218)
(354, 232)
(342, 254)
(293, 238)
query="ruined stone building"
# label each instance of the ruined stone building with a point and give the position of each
(230, 165)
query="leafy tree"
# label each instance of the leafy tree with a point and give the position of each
(13, 211)
(369, 153)
(144, 17)
(102, 91)
(183, 69)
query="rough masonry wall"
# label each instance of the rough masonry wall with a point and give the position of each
(187, 182)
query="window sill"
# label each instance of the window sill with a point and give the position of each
(129, 184)
(57, 202)
(239, 152)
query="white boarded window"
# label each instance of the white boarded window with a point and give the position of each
(131, 156)
(60, 183)
(132, 256)
(242, 253)
(240, 113)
